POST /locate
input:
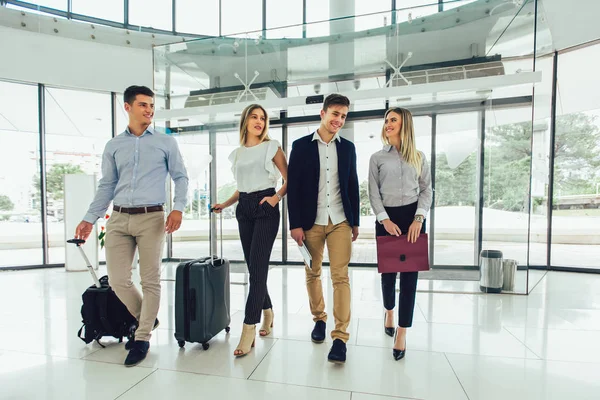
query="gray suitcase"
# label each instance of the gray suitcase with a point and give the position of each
(202, 299)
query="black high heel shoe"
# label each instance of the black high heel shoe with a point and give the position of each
(388, 331)
(398, 354)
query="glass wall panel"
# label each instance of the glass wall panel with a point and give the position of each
(111, 10)
(191, 240)
(78, 126)
(158, 16)
(240, 17)
(540, 168)
(407, 11)
(437, 65)
(364, 22)
(284, 14)
(455, 189)
(317, 15)
(56, 4)
(506, 185)
(200, 18)
(20, 206)
(576, 199)
(451, 4)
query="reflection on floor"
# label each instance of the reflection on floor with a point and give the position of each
(461, 346)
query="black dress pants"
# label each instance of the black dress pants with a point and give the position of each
(258, 225)
(403, 217)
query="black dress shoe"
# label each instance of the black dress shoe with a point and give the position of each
(132, 339)
(137, 354)
(337, 354)
(318, 333)
(398, 354)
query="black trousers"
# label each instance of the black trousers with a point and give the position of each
(403, 217)
(258, 225)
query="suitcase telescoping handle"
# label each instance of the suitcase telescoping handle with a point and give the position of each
(79, 242)
(212, 209)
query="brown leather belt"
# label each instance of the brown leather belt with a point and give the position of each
(138, 210)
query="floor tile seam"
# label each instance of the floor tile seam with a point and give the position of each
(386, 396)
(520, 341)
(262, 359)
(136, 384)
(456, 376)
(301, 386)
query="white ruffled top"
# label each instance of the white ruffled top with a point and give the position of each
(253, 167)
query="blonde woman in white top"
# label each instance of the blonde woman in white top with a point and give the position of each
(257, 166)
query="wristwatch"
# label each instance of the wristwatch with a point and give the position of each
(419, 218)
(278, 196)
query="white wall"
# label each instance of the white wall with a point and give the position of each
(58, 61)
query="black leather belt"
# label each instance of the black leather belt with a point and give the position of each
(138, 210)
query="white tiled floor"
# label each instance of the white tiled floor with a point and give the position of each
(461, 346)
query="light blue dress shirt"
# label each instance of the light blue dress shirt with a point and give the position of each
(134, 173)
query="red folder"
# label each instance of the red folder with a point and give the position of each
(397, 254)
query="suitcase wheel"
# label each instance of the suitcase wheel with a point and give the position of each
(181, 343)
(205, 346)
(227, 329)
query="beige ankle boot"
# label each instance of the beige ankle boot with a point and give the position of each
(246, 341)
(267, 324)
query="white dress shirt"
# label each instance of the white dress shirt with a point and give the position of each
(329, 200)
(253, 167)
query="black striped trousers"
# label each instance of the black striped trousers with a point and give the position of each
(258, 225)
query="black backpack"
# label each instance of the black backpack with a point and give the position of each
(104, 315)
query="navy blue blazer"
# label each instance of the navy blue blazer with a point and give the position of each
(303, 182)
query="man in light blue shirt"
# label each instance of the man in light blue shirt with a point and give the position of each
(135, 165)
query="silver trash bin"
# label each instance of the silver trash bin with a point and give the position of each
(491, 276)
(509, 271)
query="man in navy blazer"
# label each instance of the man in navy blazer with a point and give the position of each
(323, 204)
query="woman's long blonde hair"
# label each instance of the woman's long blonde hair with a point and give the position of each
(408, 146)
(244, 124)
